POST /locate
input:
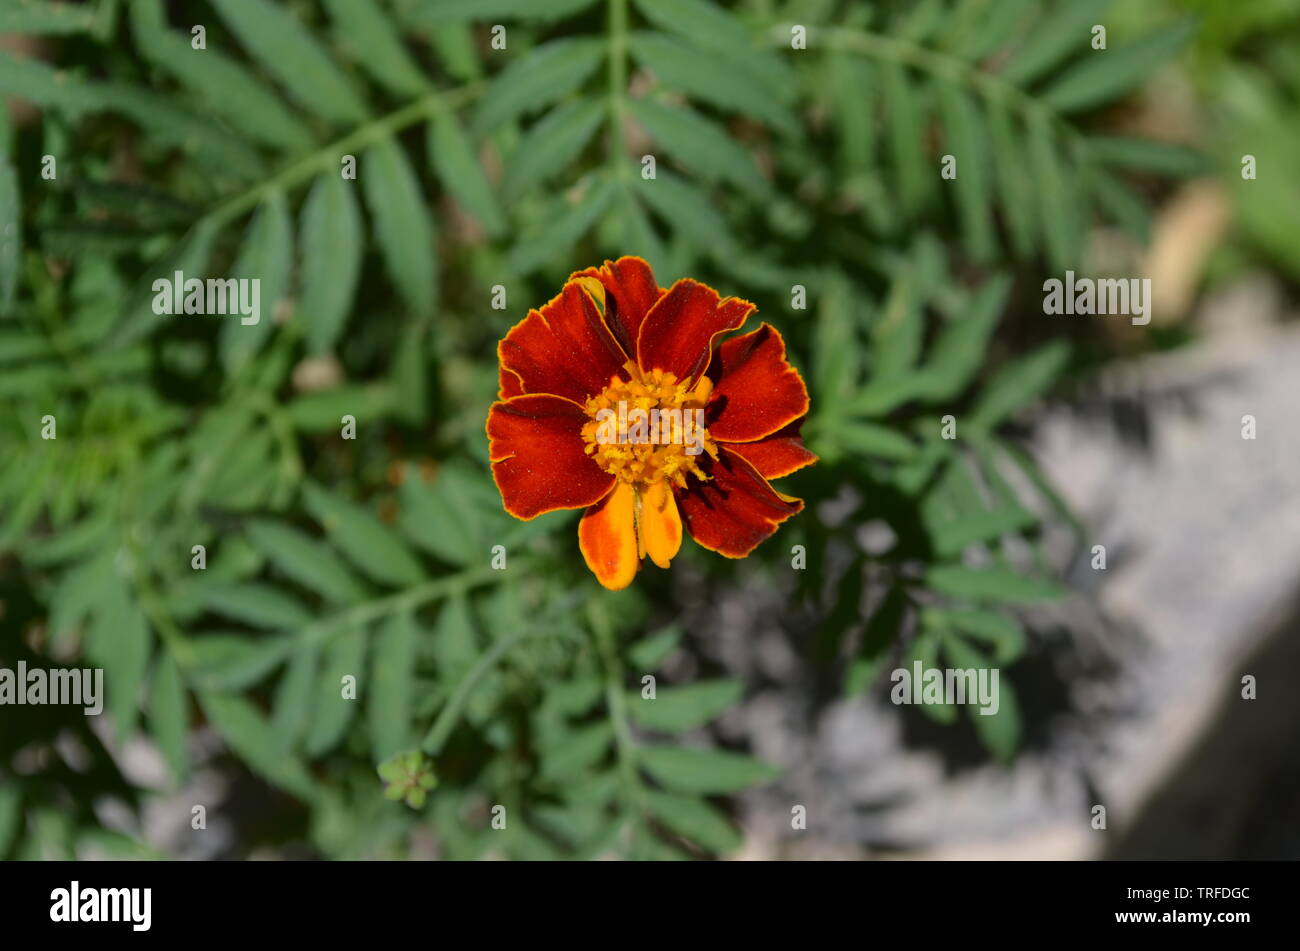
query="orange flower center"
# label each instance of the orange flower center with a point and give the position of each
(650, 428)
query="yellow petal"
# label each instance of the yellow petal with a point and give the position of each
(608, 538)
(660, 525)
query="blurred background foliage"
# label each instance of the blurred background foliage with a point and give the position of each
(806, 180)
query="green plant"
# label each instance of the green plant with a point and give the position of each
(786, 174)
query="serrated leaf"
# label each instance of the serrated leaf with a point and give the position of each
(951, 537)
(444, 516)
(688, 210)
(288, 51)
(577, 750)
(1016, 195)
(924, 649)
(545, 75)
(691, 770)
(362, 29)
(1064, 30)
(250, 736)
(404, 229)
(332, 242)
(460, 172)
(33, 18)
(1003, 633)
(904, 116)
(306, 560)
(700, 144)
(646, 655)
(228, 662)
(228, 88)
(260, 605)
(711, 77)
(694, 819)
(1145, 155)
(190, 257)
(121, 641)
(266, 257)
(331, 711)
(438, 11)
(991, 584)
(168, 716)
(11, 234)
(562, 231)
(373, 547)
(999, 731)
(967, 141)
(551, 144)
(293, 698)
(1018, 383)
(871, 439)
(1106, 74)
(675, 709)
(959, 350)
(391, 687)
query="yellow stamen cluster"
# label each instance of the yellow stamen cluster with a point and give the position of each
(645, 459)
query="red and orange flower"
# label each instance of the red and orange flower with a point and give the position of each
(614, 337)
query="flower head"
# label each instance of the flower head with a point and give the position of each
(614, 398)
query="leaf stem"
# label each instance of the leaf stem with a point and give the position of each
(355, 141)
(447, 719)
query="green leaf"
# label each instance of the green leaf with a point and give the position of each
(459, 169)
(577, 751)
(439, 11)
(332, 244)
(562, 230)
(967, 141)
(250, 736)
(260, 605)
(391, 688)
(404, 229)
(190, 257)
(11, 234)
(121, 642)
(924, 649)
(1016, 194)
(899, 331)
(1144, 155)
(700, 144)
(1057, 210)
(228, 88)
(699, 21)
(904, 116)
(550, 145)
(1018, 383)
(675, 709)
(688, 210)
(293, 697)
(711, 77)
(275, 38)
(1001, 632)
(1066, 29)
(959, 350)
(368, 543)
(690, 770)
(953, 536)
(267, 256)
(1000, 731)
(33, 18)
(871, 439)
(168, 716)
(228, 662)
(695, 820)
(648, 654)
(331, 711)
(991, 584)
(1104, 75)
(455, 644)
(316, 412)
(545, 75)
(362, 29)
(444, 517)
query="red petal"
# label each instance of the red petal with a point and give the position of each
(778, 454)
(735, 509)
(678, 332)
(564, 349)
(538, 460)
(630, 291)
(508, 384)
(757, 391)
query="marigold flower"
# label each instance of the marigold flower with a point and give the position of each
(613, 399)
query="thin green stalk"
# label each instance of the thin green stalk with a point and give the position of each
(355, 141)
(447, 719)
